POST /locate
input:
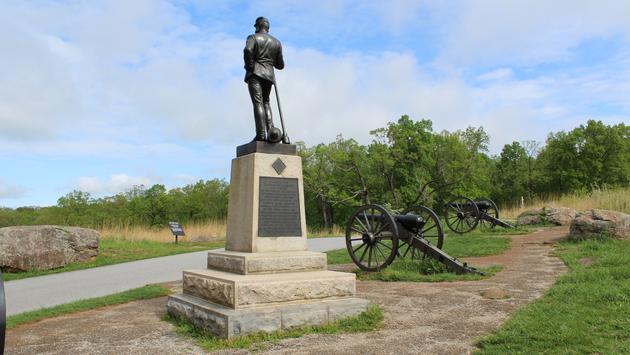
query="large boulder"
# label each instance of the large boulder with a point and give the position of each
(27, 248)
(560, 216)
(533, 216)
(600, 223)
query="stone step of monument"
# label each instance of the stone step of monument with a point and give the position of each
(227, 322)
(241, 291)
(267, 262)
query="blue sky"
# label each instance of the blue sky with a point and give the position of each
(104, 95)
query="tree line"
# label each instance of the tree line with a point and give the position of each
(153, 206)
(406, 163)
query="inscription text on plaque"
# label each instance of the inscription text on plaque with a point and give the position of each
(279, 208)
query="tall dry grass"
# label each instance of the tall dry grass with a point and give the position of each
(210, 231)
(336, 231)
(195, 232)
(607, 199)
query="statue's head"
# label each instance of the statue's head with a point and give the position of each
(262, 24)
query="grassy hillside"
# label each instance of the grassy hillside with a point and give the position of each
(585, 312)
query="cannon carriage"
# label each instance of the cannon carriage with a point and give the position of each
(463, 214)
(375, 237)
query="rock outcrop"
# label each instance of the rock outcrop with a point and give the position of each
(600, 223)
(560, 216)
(529, 217)
(25, 248)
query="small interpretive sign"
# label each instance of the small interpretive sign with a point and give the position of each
(176, 229)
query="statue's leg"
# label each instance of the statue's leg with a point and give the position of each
(256, 94)
(266, 92)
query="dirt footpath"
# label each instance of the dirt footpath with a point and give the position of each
(428, 318)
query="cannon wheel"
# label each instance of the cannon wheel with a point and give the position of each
(431, 231)
(461, 214)
(492, 211)
(372, 242)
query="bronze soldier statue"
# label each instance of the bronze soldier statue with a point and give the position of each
(262, 54)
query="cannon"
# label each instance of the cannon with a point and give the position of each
(375, 237)
(3, 314)
(463, 214)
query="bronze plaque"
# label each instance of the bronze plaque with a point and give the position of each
(279, 207)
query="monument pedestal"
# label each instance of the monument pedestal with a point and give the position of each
(266, 279)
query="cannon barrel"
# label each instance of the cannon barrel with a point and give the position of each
(408, 221)
(484, 205)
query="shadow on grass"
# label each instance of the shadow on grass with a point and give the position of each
(427, 270)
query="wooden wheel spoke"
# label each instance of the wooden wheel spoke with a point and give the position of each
(376, 255)
(381, 252)
(407, 250)
(354, 251)
(376, 221)
(362, 225)
(356, 230)
(459, 224)
(385, 245)
(367, 223)
(428, 229)
(364, 251)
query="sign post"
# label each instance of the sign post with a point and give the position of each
(176, 229)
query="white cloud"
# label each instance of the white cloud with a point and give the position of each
(118, 78)
(115, 184)
(11, 191)
(525, 32)
(496, 75)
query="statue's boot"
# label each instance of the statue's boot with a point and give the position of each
(268, 117)
(260, 129)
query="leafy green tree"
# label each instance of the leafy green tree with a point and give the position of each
(589, 156)
(401, 153)
(511, 178)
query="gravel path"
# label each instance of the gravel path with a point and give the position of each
(50, 290)
(427, 318)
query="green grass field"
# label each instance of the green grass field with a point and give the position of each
(428, 270)
(587, 311)
(141, 293)
(367, 321)
(456, 246)
(115, 251)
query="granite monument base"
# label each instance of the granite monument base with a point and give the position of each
(226, 322)
(266, 279)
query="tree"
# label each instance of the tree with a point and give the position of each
(532, 148)
(511, 177)
(401, 154)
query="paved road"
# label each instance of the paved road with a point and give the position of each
(46, 291)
